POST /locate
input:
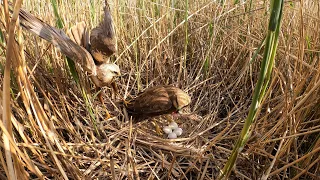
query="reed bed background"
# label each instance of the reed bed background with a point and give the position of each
(204, 47)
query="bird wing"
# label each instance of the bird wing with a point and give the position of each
(79, 34)
(59, 39)
(154, 100)
(103, 39)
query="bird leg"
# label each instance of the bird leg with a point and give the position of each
(100, 94)
(116, 90)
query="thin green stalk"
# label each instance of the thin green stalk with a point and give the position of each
(257, 51)
(60, 25)
(206, 64)
(56, 14)
(1, 37)
(92, 12)
(262, 84)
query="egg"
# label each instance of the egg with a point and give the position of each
(178, 131)
(172, 135)
(167, 130)
(173, 125)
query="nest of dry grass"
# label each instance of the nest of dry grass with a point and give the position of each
(58, 135)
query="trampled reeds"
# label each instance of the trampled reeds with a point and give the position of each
(54, 126)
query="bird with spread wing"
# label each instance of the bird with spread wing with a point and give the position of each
(92, 52)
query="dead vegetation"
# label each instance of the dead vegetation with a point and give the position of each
(57, 134)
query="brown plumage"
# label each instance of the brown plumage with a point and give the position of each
(102, 38)
(158, 100)
(92, 56)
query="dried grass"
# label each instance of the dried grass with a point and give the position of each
(54, 135)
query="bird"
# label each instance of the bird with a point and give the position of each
(92, 52)
(158, 100)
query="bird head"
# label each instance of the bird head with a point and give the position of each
(182, 100)
(106, 74)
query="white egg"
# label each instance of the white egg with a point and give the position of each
(172, 135)
(178, 131)
(167, 130)
(173, 125)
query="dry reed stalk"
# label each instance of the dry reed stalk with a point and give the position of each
(12, 163)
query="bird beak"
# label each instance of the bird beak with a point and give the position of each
(115, 77)
(181, 111)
